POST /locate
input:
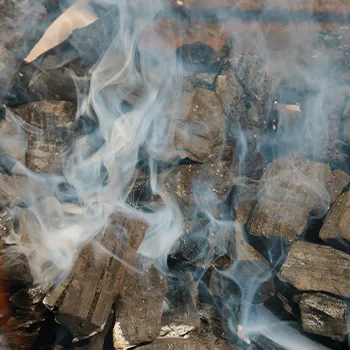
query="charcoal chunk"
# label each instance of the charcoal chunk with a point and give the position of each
(57, 83)
(199, 57)
(314, 267)
(201, 127)
(139, 321)
(339, 180)
(26, 297)
(21, 26)
(85, 298)
(16, 269)
(13, 141)
(55, 120)
(244, 89)
(175, 344)
(324, 315)
(238, 282)
(183, 181)
(337, 222)
(180, 316)
(15, 190)
(290, 190)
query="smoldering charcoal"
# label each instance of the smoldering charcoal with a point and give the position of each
(174, 174)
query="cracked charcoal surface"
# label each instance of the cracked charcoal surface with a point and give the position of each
(324, 315)
(289, 191)
(314, 267)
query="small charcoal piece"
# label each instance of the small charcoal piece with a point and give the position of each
(16, 269)
(199, 57)
(180, 316)
(90, 41)
(314, 267)
(139, 309)
(244, 89)
(55, 119)
(324, 315)
(25, 298)
(336, 227)
(13, 141)
(339, 180)
(84, 300)
(20, 29)
(182, 181)
(290, 191)
(192, 343)
(57, 83)
(239, 280)
(200, 127)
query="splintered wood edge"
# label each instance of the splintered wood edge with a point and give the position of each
(119, 342)
(113, 277)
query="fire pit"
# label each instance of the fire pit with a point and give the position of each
(174, 174)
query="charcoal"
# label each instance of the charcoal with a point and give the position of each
(13, 141)
(180, 181)
(203, 80)
(237, 281)
(290, 190)
(5, 223)
(19, 25)
(201, 127)
(339, 180)
(94, 39)
(57, 83)
(16, 269)
(85, 298)
(99, 341)
(26, 297)
(324, 315)
(326, 146)
(196, 246)
(15, 190)
(242, 250)
(287, 115)
(180, 316)
(182, 344)
(139, 309)
(243, 201)
(243, 198)
(337, 221)
(55, 119)
(199, 57)
(313, 267)
(244, 90)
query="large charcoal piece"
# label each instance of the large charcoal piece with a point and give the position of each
(85, 299)
(139, 309)
(336, 227)
(195, 343)
(244, 89)
(180, 316)
(15, 190)
(52, 81)
(184, 181)
(200, 127)
(53, 123)
(324, 315)
(13, 143)
(244, 279)
(314, 267)
(291, 190)
(94, 39)
(21, 25)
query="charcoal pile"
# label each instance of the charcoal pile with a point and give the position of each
(175, 176)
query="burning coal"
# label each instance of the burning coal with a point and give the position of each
(222, 152)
